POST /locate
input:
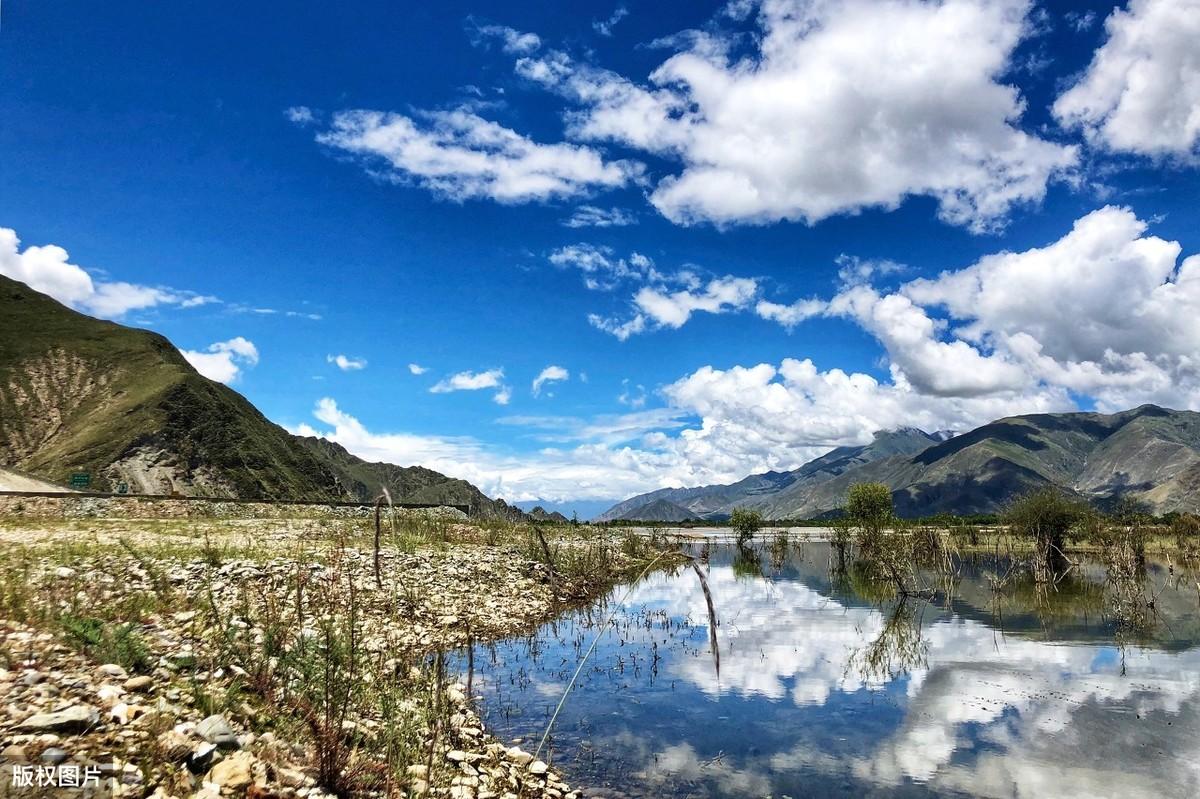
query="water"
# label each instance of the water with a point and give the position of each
(824, 690)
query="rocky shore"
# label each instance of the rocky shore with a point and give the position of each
(270, 660)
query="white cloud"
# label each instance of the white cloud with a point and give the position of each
(300, 115)
(633, 395)
(592, 216)
(549, 375)
(346, 363)
(417, 369)
(605, 27)
(48, 269)
(844, 105)
(659, 307)
(592, 470)
(475, 381)
(602, 269)
(511, 39)
(790, 315)
(224, 360)
(1141, 93)
(459, 155)
(1107, 311)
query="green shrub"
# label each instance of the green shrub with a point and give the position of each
(745, 523)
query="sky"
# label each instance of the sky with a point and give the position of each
(574, 257)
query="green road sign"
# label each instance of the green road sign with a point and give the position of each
(122, 488)
(81, 479)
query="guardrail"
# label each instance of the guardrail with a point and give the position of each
(237, 500)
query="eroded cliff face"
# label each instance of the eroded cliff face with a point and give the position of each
(40, 398)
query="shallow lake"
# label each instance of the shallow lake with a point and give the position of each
(826, 690)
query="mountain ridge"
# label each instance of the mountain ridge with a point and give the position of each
(1148, 453)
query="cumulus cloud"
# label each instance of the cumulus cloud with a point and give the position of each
(1107, 311)
(460, 155)
(842, 105)
(48, 269)
(224, 360)
(475, 381)
(790, 315)
(592, 216)
(417, 369)
(1141, 92)
(549, 375)
(346, 363)
(658, 307)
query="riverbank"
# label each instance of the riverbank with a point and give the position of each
(272, 657)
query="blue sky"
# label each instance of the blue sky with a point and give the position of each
(744, 232)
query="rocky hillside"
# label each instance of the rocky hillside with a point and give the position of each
(1149, 453)
(81, 394)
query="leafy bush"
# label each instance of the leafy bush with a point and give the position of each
(1048, 517)
(745, 523)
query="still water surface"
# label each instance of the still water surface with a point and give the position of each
(826, 690)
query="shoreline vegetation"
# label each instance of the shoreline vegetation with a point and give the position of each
(303, 653)
(264, 657)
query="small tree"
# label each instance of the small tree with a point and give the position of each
(745, 523)
(1047, 516)
(869, 508)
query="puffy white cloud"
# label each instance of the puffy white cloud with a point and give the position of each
(790, 315)
(48, 269)
(592, 216)
(766, 417)
(346, 363)
(549, 375)
(417, 369)
(475, 381)
(658, 307)
(224, 360)
(1106, 311)
(459, 155)
(1141, 93)
(843, 105)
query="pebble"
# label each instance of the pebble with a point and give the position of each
(138, 684)
(75, 718)
(112, 671)
(53, 756)
(216, 730)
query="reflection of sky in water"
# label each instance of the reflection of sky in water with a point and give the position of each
(827, 697)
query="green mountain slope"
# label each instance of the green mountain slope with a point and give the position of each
(81, 394)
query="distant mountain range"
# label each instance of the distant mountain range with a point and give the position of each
(78, 394)
(1149, 453)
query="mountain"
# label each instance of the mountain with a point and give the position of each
(660, 510)
(1149, 453)
(756, 491)
(79, 394)
(540, 514)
